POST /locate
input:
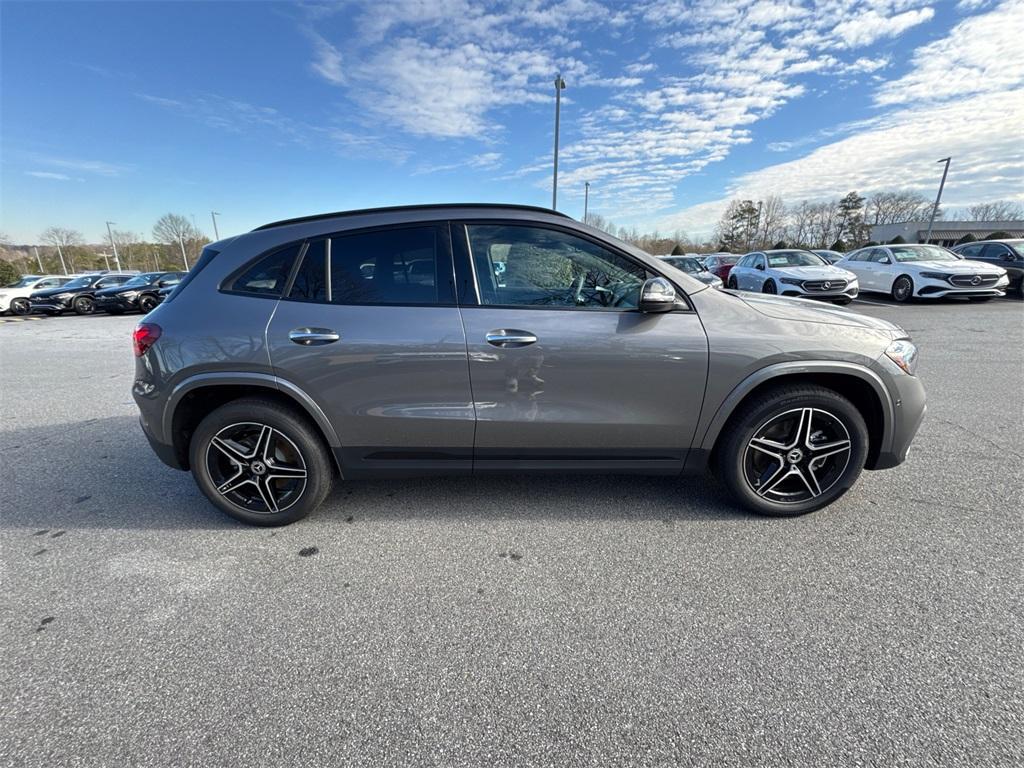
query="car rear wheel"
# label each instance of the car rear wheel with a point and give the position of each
(147, 304)
(902, 289)
(84, 305)
(260, 462)
(20, 307)
(793, 450)
(769, 287)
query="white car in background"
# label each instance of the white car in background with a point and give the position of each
(793, 272)
(925, 272)
(14, 297)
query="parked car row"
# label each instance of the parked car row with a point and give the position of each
(976, 271)
(112, 292)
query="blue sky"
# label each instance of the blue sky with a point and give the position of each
(125, 111)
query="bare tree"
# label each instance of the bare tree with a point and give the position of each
(176, 230)
(64, 240)
(772, 225)
(125, 242)
(896, 207)
(1000, 210)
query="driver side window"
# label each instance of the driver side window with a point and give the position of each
(537, 267)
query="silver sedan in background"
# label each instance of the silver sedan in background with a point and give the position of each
(693, 266)
(794, 272)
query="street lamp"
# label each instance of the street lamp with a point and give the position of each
(117, 261)
(938, 197)
(214, 215)
(559, 87)
(586, 199)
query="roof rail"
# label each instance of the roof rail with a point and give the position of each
(424, 207)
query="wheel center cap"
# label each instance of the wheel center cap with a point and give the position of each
(795, 456)
(258, 468)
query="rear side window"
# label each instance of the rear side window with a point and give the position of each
(267, 277)
(392, 266)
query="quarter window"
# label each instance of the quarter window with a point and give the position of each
(537, 267)
(267, 276)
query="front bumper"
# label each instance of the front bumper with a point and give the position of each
(940, 289)
(48, 305)
(909, 406)
(850, 293)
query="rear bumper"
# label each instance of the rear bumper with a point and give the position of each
(163, 451)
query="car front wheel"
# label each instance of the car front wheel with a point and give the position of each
(84, 305)
(732, 283)
(902, 289)
(793, 450)
(260, 462)
(769, 287)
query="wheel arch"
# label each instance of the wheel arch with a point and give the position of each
(192, 399)
(857, 383)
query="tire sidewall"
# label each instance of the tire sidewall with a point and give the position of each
(319, 476)
(769, 287)
(147, 304)
(753, 419)
(79, 301)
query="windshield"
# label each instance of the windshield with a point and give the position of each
(1018, 247)
(921, 253)
(794, 259)
(687, 265)
(145, 279)
(25, 281)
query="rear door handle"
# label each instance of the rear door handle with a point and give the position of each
(309, 337)
(510, 338)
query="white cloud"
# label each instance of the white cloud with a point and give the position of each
(980, 54)
(327, 61)
(872, 25)
(900, 152)
(49, 175)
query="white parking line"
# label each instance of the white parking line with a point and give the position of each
(859, 300)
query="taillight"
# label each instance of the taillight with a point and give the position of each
(144, 336)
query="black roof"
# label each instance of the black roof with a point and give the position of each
(393, 208)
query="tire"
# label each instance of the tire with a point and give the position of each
(20, 307)
(902, 289)
(147, 303)
(769, 287)
(295, 444)
(779, 470)
(84, 305)
(732, 283)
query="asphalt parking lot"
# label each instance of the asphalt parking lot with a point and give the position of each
(509, 621)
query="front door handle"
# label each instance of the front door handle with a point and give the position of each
(510, 338)
(309, 337)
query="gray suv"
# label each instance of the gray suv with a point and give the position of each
(463, 339)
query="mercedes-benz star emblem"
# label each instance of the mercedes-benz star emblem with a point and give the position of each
(827, 285)
(976, 280)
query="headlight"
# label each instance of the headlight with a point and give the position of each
(936, 275)
(791, 281)
(903, 352)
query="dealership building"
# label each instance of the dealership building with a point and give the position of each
(944, 232)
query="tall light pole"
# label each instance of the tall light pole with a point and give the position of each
(184, 258)
(40, 261)
(214, 215)
(586, 199)
(559, 87)
(938, 197)
(117, 261)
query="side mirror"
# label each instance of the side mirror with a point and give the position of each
(885, 260)
(657, 295)
(760, 266)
